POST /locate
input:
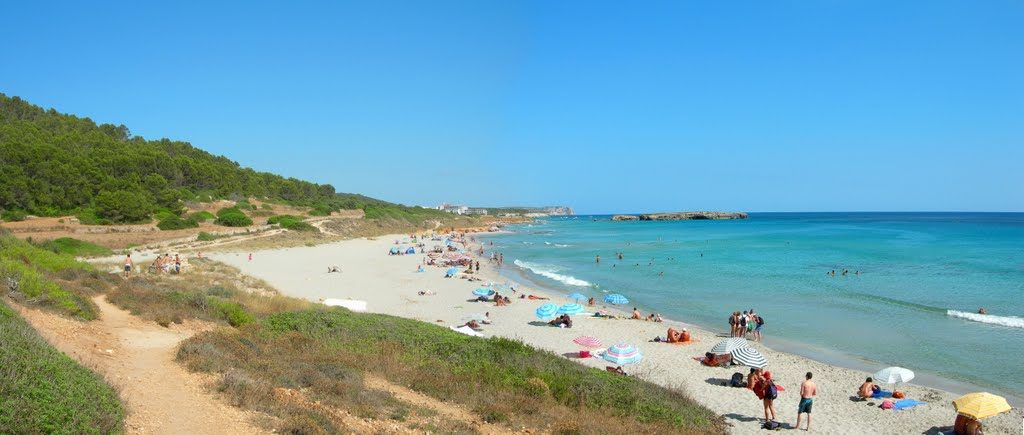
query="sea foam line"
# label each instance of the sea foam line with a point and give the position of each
(552, 273)
(1008, 321)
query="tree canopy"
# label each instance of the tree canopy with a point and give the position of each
(55, 163)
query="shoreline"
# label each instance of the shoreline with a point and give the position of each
(833, 357)
(389, 285)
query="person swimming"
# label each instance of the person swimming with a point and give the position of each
(982, 311)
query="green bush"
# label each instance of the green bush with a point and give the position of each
(123, 206)
(321, 210)
(32, 266)
(44, 391)
(232, 217)
(88, 216)
(290, 222)
(202, 216)
(232, 312)
(13, 215)
(75, 247)
(173, 222)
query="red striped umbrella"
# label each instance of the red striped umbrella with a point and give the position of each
(587, 341)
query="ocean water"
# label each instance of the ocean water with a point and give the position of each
(922, 276)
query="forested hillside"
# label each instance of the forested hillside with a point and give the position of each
(55, 164)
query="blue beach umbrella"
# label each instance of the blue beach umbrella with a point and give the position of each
(577, 296)
(622, 354)
(616, 299)
(452, 271)
(547, 310)
(570, 309)
(484, 291)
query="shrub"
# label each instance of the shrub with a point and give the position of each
(44, 391)
(202, 216)
(320, 210)
(88, 216)
(290, 222)
(13, 215)
(232, 217)
(174, 222)
(232, 312)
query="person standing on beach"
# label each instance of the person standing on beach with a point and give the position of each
(732, 324)
(808, 389)
(250, 256)
(128, 265)
(769, 392)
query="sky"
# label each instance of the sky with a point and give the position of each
(602, 106)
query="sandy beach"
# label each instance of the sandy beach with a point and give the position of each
(390, 285)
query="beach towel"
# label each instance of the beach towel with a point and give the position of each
(881, 393)
(466, 330)
(906, 403)
(684, 343)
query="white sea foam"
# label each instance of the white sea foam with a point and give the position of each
(1008, 321)
(559, 245)
(551, 272)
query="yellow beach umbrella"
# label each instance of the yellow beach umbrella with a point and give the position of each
(981, 405)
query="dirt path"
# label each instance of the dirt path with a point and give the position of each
(137, 358)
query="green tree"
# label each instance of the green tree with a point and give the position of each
(123, 206)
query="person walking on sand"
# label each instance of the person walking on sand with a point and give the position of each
(808, 389)
(128, 265)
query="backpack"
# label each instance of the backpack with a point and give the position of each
(773, 391)
(760, 320)
(737, 379)
(771, 425)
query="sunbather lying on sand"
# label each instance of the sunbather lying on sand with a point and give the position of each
(534, 297)
(426, 293)
(714, 360)
(678, 336)
(473, 324)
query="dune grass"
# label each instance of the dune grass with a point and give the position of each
(75, 247)
(503, 381)
(45, 391)
(38, 275)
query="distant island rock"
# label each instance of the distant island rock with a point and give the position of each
(682, 216)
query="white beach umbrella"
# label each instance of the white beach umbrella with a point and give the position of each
(728, 345)
(893, 375)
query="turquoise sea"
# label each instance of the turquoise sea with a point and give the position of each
(922, 275)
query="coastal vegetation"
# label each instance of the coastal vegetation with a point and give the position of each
(327, 352)
(48, 279)
(57, 164)
(44, 391)
(290, 222)
(75, 247)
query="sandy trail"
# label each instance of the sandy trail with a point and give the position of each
(137, 358)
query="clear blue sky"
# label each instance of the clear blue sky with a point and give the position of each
(604, 106)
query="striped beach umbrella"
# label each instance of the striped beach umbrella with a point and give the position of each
(577, 296)
(622, 354)
(587, 341)
(547, 310)
(750, 357)
(570, 309)
(728, 345)
(616, 299)
(981, 405)
(484, 291)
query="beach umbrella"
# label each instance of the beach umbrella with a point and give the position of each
(616, 299)
(547, 310)
(570, 309)
(728, 345)
(622, 354)
(893, 375)
(981, 405)
(587, 341)
(577, 296)
(483, 291)
(452, 271)
(750, 357)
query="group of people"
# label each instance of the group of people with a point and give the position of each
(845, 272)
(563, 321)
(165, 264)
(747, 322)
(653, 317)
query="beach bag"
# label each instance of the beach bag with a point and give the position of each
(771, 425)
(760, 321)
(897, 395)
(737, 379)
(584, 354)
(887, 404)
(773, 391)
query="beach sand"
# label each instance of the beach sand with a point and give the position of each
(389, 285)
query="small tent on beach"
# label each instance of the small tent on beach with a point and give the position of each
(411, 250)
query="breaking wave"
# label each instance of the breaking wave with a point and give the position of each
(1008, 321)
(552, 273)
